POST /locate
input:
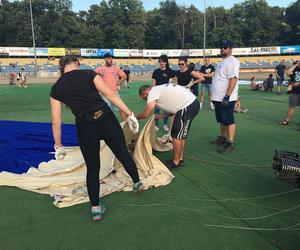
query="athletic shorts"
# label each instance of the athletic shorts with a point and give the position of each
(294, 100)
(224, 115)
(183, 120)
(110, 104)
(280, 81)
(205, 87)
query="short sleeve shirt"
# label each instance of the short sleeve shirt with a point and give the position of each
(111, 75)
(77, 90)
(228, 68)
(184, 78)
(171, 97)
(280, 68)
(207, 70)
(163, 76)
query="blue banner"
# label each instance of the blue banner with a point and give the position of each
(290, 49)
(102, 52)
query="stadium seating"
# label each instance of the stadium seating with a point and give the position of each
(141, 65)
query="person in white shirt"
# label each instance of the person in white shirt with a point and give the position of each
(224, 96)
(176, 100)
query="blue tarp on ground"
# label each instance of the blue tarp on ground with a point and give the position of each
(26, 144)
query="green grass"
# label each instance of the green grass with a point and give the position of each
(176, 216)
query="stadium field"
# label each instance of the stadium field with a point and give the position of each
(217, 201)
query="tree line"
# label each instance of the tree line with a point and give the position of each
(126, 24)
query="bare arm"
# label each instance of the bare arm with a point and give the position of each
(122, 79)
(198, 75)
(212, 74)
(148, 110)
(153, 82)
(110, 95)
(232, 84)
(276, 74)
(291, 69)
(56, 115)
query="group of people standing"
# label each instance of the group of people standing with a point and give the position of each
(93, 95)
(187, 76)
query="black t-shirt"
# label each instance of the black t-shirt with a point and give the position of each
(127, 73)
(280, 68)
(184, 78)
(77, 90)
(163, 76)
(207, 70)
(295, 77)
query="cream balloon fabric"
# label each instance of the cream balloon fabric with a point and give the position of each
(65, 180)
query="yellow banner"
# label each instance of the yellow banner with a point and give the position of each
(56, 51)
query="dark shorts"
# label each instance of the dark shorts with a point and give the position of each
(294, 100)
(280, 81)
(183, 120)
(224, 115)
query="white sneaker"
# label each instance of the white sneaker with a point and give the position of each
(201, 105)
(156, 128)
(212, 106)
(166, 128)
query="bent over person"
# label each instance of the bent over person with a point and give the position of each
(178, 101)
(79, 90)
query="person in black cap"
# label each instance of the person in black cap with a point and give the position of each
(114, 77)
(224, 96)
(79, 90)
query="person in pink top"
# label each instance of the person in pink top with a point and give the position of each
(113, 76)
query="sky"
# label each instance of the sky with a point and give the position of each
(151, 4)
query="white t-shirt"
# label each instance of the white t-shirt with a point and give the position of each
(227, 69)
(171, 97)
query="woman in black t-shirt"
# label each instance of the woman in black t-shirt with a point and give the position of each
(79, 90)
(160, 76)
(185, 74)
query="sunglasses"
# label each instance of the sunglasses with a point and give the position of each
(181, 64)
(224, 47)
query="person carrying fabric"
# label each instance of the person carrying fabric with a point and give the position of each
(79, 90)
(176, 100)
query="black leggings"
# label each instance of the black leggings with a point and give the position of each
(89, 136)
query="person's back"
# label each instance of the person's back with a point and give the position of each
(171, 97)
(77, 90)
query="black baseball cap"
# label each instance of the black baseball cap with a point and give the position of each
(227, 44)
(108, 55)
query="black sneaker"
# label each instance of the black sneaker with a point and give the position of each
(228, 148)
(170, 164)
(220, 141)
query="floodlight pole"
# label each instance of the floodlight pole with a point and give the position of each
(204, 29)
(33, 40)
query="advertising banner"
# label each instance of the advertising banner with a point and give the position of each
(135, 53)
(290, 49)
(4, 51)
(89, 52)
(265, 51)
(56, 52)
(40, 51)
(102, 52)
(74, 52)
(15, 51)
(121, 52)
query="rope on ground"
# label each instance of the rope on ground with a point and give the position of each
(239, 199)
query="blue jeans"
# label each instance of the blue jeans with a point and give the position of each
(156, 112)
